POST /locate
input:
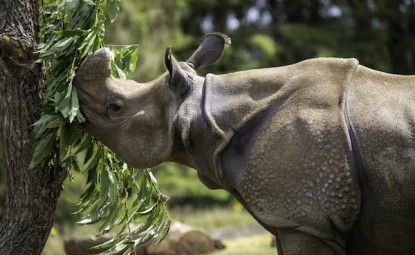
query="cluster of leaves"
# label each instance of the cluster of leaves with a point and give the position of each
(118, 197)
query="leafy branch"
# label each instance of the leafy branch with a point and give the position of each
(117, 196)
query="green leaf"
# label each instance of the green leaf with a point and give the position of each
(82, 144)
(55, 121)
(71, 32)
(88, 197)
(148, 222)
(89, 2)
(119, 247)
(88, 162)
(64, 43)
(158, 226)
(117, 72)
(64, 143)
(71, 5)
(73, 112)
(107, 244)
(113, 7)
(42, 149)
(89, 41)
(41, 125)
(63, 102)
(125, 59)
(133, 60)
(111, 220)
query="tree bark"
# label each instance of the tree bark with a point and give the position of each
(32, 194)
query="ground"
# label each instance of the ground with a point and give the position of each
(253, 242)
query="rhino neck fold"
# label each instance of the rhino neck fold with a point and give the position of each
(198, 136)
(215, 111)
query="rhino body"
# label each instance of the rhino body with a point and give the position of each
(321, 153)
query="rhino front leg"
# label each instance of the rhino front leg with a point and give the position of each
(291, 242)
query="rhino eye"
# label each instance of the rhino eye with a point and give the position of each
(114, 108)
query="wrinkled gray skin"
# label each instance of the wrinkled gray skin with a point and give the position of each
(321, 153)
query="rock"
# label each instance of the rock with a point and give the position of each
(195, 242)
(185, 240)
(83, 245)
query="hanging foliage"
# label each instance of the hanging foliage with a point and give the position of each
(117, 197)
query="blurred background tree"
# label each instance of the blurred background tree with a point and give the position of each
(380, 33)
(265, 33)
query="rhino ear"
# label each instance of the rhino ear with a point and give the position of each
(210, 50)
(178, 78)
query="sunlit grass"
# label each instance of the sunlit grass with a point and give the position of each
(250, 245)
(209, 219)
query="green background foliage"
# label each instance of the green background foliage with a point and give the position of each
(380, 34)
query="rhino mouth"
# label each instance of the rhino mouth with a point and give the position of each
(85, 113)
(87, 121)
(86, 108)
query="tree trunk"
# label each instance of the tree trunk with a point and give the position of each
(32, 194)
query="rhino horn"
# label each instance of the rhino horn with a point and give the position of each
(96, 66)
(210, 50)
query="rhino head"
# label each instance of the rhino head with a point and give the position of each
(136, 120)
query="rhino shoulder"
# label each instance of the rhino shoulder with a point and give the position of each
(335, 64)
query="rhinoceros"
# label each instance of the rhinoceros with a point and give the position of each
(321, 152)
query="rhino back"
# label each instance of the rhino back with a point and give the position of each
(381, 109)
(290, 163)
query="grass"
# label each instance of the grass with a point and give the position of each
(249, 245)
(214, 218)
